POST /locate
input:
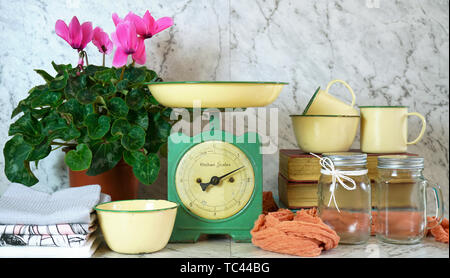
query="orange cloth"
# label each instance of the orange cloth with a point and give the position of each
(440, 232)
(269, 204)
(301, 234)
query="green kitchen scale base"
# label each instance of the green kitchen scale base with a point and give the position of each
(189, 224)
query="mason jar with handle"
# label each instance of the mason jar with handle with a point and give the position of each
(401, 210)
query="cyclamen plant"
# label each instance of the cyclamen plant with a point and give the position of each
(101, 114)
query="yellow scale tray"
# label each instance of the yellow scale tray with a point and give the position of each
(216, 94)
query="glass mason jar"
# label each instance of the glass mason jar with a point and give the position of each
(401, 210)
(345, 196)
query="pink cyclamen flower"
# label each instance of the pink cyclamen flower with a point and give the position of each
(147, 27)
(128, 43)
(116, 19)
(78, 36)
(101, 40)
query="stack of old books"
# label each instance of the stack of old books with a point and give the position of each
(299, 174)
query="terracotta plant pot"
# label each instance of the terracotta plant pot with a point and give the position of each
(119, 182)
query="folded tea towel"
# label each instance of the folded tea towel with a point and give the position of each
(85, 250)
(54, 229)
(23, 205)
(44, 240)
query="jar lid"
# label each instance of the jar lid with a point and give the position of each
(400, 162)
(347, 158)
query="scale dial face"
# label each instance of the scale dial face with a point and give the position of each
(220, 199)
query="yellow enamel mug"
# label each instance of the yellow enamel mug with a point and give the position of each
(323, 103)
(137, 226)
(384, 129)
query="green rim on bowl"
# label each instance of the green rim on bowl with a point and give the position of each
(147, 210)
(341, 116)
(383, 106)
(216, 82)
(311, 101)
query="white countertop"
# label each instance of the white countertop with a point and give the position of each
(224, 247)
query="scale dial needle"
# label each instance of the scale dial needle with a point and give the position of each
(215, 179)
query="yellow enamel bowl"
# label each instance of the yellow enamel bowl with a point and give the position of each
(325, 133)
(137, 226)
(215, 94)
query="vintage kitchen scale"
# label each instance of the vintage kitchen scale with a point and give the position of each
(215, 176)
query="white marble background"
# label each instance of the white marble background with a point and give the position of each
(390, 52)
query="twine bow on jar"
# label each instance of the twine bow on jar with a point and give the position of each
(329, 169)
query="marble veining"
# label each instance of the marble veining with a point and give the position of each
(390, 52)
(224, 247)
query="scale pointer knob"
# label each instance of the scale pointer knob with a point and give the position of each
(215, 180)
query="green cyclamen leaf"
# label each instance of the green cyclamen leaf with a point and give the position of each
(59, 82)
(93, 69)
(29, 127)
(74, 85)
(110, 89)
(50, 98)
(69, 133)
(86, 96)
(17, 168)
(21, 107)
(61, 68)
(139, 118)
(79, 159)
(160, 127)
(52, 123)
(151, 76)
(134, 139)
(56, 127)
(135, 99)
(164, 130)
(97, 125)
(40, 151)
(146, 168)
(117, 107)
(77, 110)
(98, 89)
(47, 77)
(121, 85)
(120, 127)
(135, 74)
(84, 137)
(41, 112)
(106, 155)
(131, 157)
(104, 75)
(153, 100)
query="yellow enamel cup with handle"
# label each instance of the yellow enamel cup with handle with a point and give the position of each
(325, 133)
(384, 129)
(323, 103)
(137, 226)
